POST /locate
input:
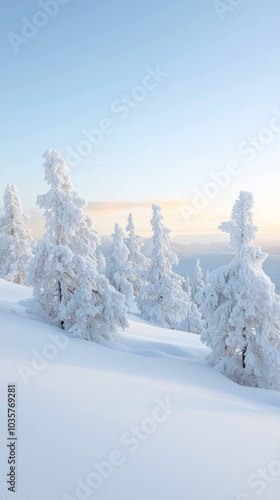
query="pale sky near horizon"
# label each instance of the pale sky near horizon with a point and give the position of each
(166, 135)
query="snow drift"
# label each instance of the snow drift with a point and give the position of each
(141, 417)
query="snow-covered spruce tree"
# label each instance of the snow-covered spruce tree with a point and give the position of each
(95, 309)
(15, 242)
(119, 269)
(139, 262)
(197, 283)
(68, 290)
(193, 320)
(187, 287)
(242, 309)
(163, 300)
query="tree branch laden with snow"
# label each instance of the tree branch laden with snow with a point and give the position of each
(139, 262)
(68, 289)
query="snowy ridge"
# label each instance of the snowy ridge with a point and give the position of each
(87, 401)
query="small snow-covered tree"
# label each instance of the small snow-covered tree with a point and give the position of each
(193, 320)
(187, 287)
(242, 309)
(139, 262)
(68, 290)
(163, 300)
(15, 242)
(101, 262)
(198, 282)
(119, 269)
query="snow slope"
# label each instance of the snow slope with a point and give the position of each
(202, 437)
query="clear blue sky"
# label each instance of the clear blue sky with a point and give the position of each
(223, 84)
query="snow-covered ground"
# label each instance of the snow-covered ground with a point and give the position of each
(166, 424)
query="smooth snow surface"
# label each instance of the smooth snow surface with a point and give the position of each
(83, 404)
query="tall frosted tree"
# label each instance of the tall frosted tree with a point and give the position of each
(68, 289)
(163, 300)
(242, 309)
(193, 321)
(198, 282)
(15, 241)
(139, 262)
(119, 268)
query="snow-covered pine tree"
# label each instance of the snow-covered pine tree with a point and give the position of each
(198, 282)
(68, 290)
(187, 287)
(163, 300)
(119, 269)
(139, 262)
(95, 309)
(15, 242)
(193, 321)
(242, 309)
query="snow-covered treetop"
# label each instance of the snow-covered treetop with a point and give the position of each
(118, 256)
(119, 242)
(162, 257)
(64, 208)
(198, 276)
(130, 225)
(241, 227)
(56, 170)
(133, 241)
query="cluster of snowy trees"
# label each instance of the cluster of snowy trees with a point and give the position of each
(74, 288)
(235, 309)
